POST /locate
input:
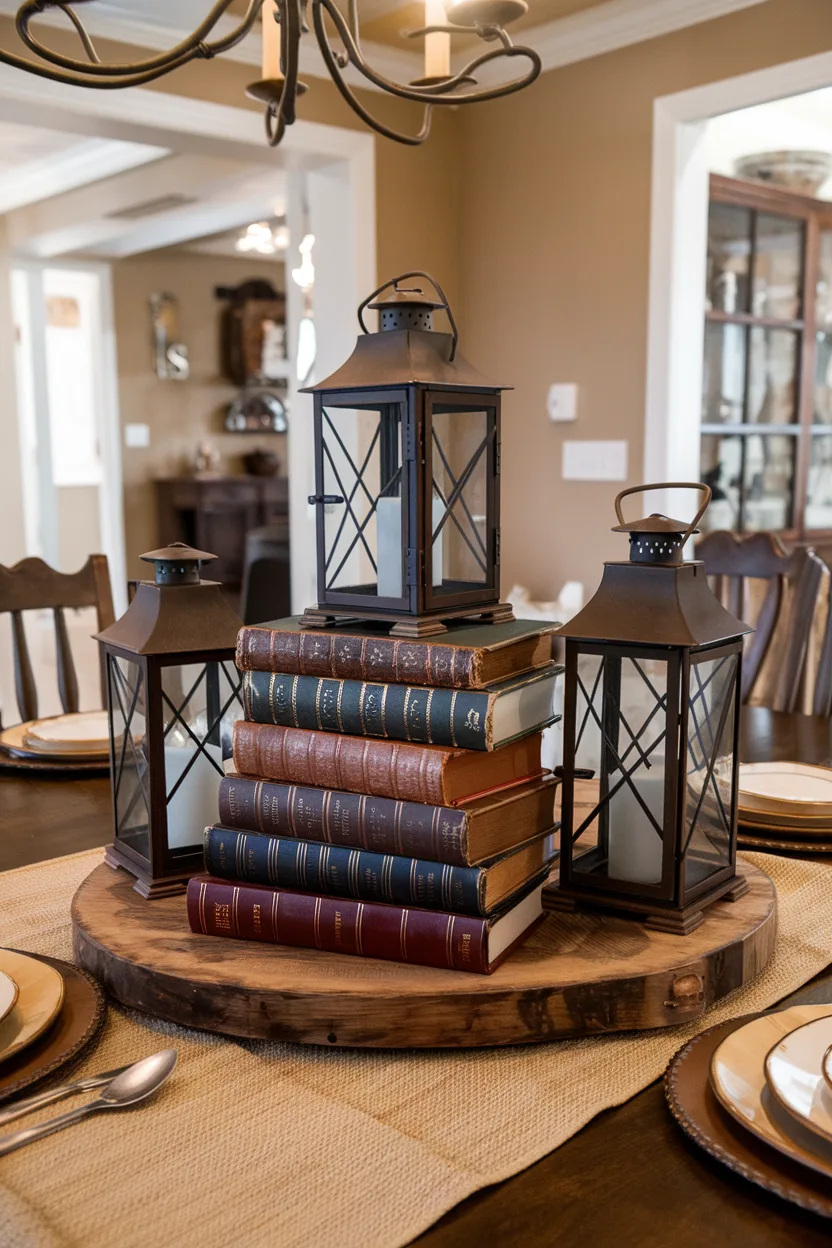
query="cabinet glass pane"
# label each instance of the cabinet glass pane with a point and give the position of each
(822, 414)
(729, 258)
(772, 376)
(824, 285)
(778, 262)
(723, 383)
(819, 485)
(752, 479)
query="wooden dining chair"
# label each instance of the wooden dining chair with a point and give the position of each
(32, 585)
(776, 591)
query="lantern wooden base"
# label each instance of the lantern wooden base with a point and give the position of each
(577, 974)
(678, 922)
(413, 627)
(143, 884)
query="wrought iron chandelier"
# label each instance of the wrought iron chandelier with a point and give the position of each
(284, 23)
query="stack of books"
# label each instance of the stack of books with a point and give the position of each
(388, 797)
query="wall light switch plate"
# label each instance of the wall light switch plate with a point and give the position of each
(136, 436)
(594, 461)
(562, 402)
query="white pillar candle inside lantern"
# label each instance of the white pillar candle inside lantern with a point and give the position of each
(194, 804)
(389, 524)
(438, 45)
(271, 43)
(635, 847)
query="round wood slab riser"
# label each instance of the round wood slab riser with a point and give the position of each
(577, 974)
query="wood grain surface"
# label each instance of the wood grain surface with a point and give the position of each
(576, 974)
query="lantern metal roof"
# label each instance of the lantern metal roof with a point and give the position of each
(178, 614)
(656, 598)
(406, 350)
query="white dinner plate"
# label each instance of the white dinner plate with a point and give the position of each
(786, 788)
(8, 994)
(82, 732)
(739, 1083)
(794, 1069)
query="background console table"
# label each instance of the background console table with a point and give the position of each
(216, 513)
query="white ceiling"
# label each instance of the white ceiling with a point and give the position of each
(800, 123)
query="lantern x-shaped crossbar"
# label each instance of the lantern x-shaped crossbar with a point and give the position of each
(626, 776)
(706, 754)
(348, 497)
(465, 507)
(200, 745)
(121, 686)
(661, 703)
(726, 706)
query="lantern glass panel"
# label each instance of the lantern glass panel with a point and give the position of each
(621, 736)
(131, 780)
(365, 535)
(710, 767)
(461, 461)
(200, 702)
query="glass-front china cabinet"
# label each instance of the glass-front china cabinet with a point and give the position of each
(767, 385)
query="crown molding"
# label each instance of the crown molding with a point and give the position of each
(87, 161)
(593, 32)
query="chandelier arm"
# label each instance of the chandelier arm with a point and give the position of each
(437, 94)
(412, 140)
(86, 42)
(193, 46)
(281, 113)
(136, 79)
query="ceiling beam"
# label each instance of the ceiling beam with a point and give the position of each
(81, 163)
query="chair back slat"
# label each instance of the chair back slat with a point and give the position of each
(757, 576)
(24, 679)
(67, 678)
(32, 585)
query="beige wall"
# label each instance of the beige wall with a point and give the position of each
(79, 525)
(554, 264)
(180, 413)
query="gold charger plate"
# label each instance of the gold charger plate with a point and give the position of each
(80, 1020)
(14, 740)
(39, 1000)
(749, 839)
(78, 732)
(808, 825)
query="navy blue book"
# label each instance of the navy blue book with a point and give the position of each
(473, 719)
(334, 871)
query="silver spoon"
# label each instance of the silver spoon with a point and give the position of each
(41, 1099)
(137, 1082)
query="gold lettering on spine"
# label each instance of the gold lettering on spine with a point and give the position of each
(338, 707)
(453, 708)
(427, 715)
(295, 701)
(403, 935)
(360, 707)
(317, 922)
(384, 710)
(272, 679)
(407, 694)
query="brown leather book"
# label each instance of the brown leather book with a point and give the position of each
(369, 929)
(436, 774)
(467, 656)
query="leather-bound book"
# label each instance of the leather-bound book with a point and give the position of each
(413, 773)
(369, 929)
(468, 656)
(476, 719)
(311, 867)
(460, 836)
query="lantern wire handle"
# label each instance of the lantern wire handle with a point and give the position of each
(669, 485)
(403, 277)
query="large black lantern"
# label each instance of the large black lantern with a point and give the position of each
(407, 475)
(173, 694)
(651, 712)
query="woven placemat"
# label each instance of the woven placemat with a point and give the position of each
(277, 1144)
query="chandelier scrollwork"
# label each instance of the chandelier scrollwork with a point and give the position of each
(339, 41)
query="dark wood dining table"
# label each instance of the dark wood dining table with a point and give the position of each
(629, 1178)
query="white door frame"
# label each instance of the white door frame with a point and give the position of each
(678, 245)
(334, 158)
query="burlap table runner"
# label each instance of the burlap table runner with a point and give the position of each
(255, 1143)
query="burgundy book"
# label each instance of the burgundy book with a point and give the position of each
(439, 775)
(368, 929)
(463, 835)
(467, 656)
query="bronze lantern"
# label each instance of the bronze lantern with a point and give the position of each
(407, 475)
(651, 715)
(173, 692)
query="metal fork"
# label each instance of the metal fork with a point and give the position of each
(57, 1094)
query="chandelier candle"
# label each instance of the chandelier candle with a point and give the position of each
(438, 44)
(271, 43)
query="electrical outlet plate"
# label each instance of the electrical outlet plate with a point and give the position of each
(136, 436)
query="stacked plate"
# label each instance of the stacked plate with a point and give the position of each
(76, 740)
(785, 806)
(49, 1011)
